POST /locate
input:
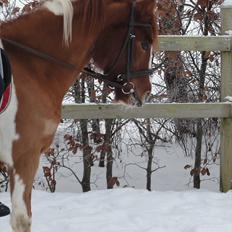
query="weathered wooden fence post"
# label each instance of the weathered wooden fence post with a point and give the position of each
(226, 90)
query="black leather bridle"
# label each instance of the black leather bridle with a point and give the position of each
(122, 80)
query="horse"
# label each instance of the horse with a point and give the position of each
(48, 48)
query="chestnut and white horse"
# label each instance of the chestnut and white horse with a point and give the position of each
(47, 49)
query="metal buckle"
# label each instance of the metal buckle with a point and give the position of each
(120, 78)
(111, 87)
(132, 36)
(128, 88)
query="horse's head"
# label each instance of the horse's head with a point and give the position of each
(123, 51)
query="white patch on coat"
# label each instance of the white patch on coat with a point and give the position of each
(20, 221)
(49, 127)
(8, 129)
(65, 9)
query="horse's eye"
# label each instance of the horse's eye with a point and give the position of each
(145, 45)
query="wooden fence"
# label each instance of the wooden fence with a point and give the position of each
(221, 110)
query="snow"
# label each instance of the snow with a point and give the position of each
(129, 210)
(229, 32)
(227, 3)
(228, 99)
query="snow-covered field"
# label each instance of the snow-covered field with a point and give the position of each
(173, 206)
(129, 210)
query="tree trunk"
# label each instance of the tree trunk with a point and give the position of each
(197, 165)
(151, 145)
(79, 96)
(92, 97)
(109, 166)
(149, 168)
(199, 132)
(87, 160)
(107, 140)
(102, 159)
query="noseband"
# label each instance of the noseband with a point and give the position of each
(123, 80)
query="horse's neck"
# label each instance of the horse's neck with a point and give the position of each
(40, 30)
(43, 31)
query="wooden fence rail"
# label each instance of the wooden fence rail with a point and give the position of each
(195, 43)
(159, 110)
(221, 110)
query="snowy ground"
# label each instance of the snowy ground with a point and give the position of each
(133, 210)
(129, 210)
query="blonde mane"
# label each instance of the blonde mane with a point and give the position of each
(64, 8)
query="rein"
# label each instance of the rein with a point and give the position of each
(123, 80)
(64, 64)
(39, 54)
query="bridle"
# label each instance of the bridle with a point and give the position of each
(123, 80)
